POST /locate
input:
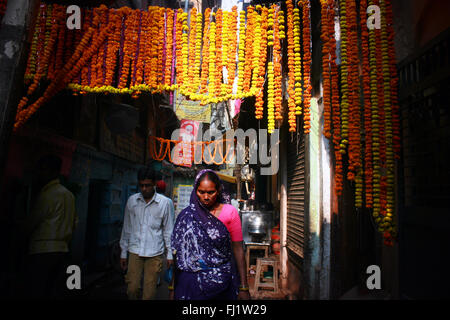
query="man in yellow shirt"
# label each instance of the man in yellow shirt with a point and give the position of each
(49, 227)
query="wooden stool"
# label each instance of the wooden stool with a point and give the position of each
(250, 247)
(266, 262)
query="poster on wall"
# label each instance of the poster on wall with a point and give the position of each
(183, 196)
(192, 110)
(184, 151)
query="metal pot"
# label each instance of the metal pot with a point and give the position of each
(257, 226)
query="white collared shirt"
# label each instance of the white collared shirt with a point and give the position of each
(147, 227)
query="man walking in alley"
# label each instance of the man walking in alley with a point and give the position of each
(146, 233)
(50, 227)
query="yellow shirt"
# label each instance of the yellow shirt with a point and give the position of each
(52, 219)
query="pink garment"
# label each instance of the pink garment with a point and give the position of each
(230, 218)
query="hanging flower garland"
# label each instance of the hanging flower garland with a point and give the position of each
(241, 54)
(257, 52)
(259, 103)
(231, 61)
(80, 57)
(36, 45)
(278, 19)
(291, 67)
(169, 49)
(306, 30)
(205, 52)
(390, 165)
(192, 48)
(325, 35)
(219, 55)
(248, 61)
(212, 58)
(270, 98)
(198, 53)
(375, 125)
(49, 42)
(368, 170)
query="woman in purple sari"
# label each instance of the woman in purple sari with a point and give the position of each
(207, 244)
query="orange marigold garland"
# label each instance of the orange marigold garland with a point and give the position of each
(256, 53)
(354, 149)
(50, 40)
(325, 35)
(198, 53)
(192, 48)
(291, 66)
(249, 48)
(231, 61)
(219, 57)
(278, 19)
(368, 169)
(242, 52)
(375, 125)
(306, 31)
(205, 53)
(80, 57)
(387, 221)
(169, 48)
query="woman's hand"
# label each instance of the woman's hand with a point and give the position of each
(244, 295)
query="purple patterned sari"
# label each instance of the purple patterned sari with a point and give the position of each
(205, 266)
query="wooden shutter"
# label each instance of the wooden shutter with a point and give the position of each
(296, 195)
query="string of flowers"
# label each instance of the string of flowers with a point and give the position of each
(241, 52)
(84, 78)
(325, 36)
(198, 53)
(219, 57)
(291, 67)
(179, 48)
(298, 61)
(205, 52)
(249, 48)
(231, 61)
(344, 79)
(212, 58)
(51, 32)
(36, 45)
(270, 97)
(278, 19)
(259, 103)
(80, 57)
(169, 49)
(382, 129)
(354, 139)
(368, 170)
(192, 48)
(390, 165)
(257, 52)
(306, 30)
(185, 50)
(375, 125)
(138, 58)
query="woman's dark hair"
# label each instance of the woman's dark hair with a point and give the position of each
(146, 173)
(208, 175)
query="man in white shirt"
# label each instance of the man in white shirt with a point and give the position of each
(146, 234)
